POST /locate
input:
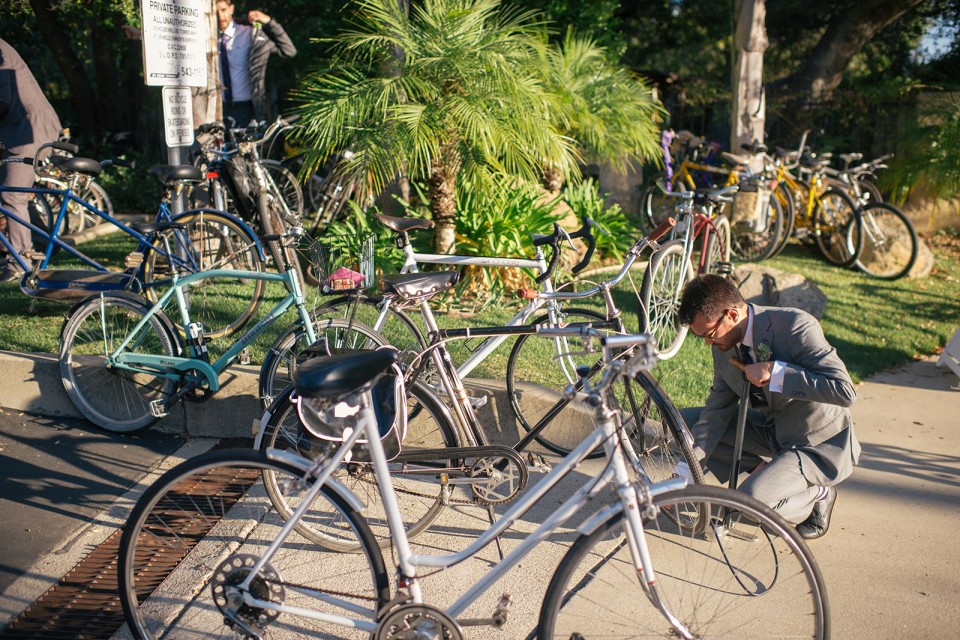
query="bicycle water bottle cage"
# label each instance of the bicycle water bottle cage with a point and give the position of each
(415, 286)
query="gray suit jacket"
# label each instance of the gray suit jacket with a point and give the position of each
(26, 118)
(811, 413)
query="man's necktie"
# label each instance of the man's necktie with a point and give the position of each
(756, 393)
(225, 69)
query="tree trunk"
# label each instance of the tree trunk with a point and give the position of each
(81, 89)
(748, 116)
(108, 78)
(553, 180)
(443, 200)
(846, 34)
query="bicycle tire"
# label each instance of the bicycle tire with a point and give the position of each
(111, 398)
(788, 205)
(210, 240)
(717, 586)
(718, 247)
(838, 228)
(79, 218)
(398, 328)
(668, 271)
(198, 528)
(288, 351)
(756, 246)
(288, 189)
(655, 207)
(419, 496)
(890, 243)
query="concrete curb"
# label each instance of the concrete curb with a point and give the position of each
(32, 383)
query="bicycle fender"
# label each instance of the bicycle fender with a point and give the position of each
(246, 228)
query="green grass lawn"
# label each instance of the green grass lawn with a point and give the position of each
(873, 324)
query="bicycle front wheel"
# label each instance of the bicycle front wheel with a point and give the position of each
(717, 259)
(655, 207)
(668, 271)
(287, 188)
(429, 426)
(838, 228)
(715, 586)
(209, 240)
(195, 534)
(763, 241)
(112, 398)
(890, 242)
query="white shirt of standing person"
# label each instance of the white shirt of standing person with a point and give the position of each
(238, 55)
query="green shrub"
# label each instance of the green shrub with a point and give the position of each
(585, 200)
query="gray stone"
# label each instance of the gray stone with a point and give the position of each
(771, 287)
(924, 264)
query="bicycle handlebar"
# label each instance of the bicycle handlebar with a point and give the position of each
(586, 232)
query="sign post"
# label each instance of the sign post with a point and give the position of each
(175, 58)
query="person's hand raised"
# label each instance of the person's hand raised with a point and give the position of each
(258, 16)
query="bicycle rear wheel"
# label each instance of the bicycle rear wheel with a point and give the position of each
(196, 532)
(762, 242)
(287, 188)
(209, 240)
(890, 242)
(717, 586)
(655, 207)
(668, 271)
(429, 426)
(112, 398)
(838, 228)
(718, 247)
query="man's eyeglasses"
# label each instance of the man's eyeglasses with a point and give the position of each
(710, 335)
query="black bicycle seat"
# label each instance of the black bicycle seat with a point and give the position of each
(334, 376)
(86, 166)
(176, 173)
(410, 286)
(402, 225)
(146, 228)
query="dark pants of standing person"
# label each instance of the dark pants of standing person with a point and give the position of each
(241, 112)
(17, 175)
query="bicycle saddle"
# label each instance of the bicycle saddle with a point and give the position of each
(146, 228)
(175, 173)
(402, 225)
(409, 286)
(86, 166)
(334, 376)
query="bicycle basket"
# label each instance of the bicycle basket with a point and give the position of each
(327, 419)
(340, 263)
(751, 208)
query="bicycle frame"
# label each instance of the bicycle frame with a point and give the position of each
(175, 367)
(179, 256)
(631, 496)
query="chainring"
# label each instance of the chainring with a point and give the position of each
(265, 586)
(417, 622)
(498, 479)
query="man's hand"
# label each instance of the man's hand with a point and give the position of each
(757, 373)
(258, 16)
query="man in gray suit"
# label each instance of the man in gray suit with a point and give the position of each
(799, 441)
(26, 121)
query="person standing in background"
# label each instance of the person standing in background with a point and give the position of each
(244, 52)
(27, 121)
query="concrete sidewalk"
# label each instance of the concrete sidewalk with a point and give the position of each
(891, 560)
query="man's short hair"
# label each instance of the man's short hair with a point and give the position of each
(710, 295)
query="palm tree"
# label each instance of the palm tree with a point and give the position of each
(461, 106)
(613, 116)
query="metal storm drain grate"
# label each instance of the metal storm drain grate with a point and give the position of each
(85, 604)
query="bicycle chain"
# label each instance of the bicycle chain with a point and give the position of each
(452, 500)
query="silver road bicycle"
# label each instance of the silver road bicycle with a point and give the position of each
(205, 555)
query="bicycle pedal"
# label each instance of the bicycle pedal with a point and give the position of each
(477, 401)
(537, 463)
(34, 256)
(245, 356)
(157, 409)
(133, 260)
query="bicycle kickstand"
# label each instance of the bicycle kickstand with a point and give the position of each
(492, 515)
